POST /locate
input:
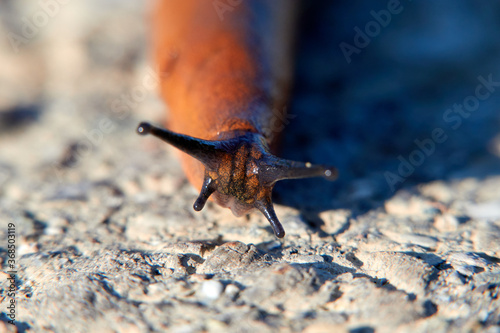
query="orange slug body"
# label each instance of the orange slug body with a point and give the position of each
(225, 71)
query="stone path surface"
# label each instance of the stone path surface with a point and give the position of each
(407, 240)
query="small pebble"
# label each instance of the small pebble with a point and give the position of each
(232, 290)
(465, 270)
(404, 206)
(437, 190)
(27, 248)
(446, 222)
(308, 259)
(211, 289)
(467, 258)
(53, 231)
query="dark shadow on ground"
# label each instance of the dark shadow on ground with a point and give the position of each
(400, 85)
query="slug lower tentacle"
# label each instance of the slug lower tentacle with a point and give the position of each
(240, 172)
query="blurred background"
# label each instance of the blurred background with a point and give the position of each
(374, 76)
(371, 78)
(401, 96)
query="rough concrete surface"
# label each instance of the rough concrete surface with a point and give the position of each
(407, 240)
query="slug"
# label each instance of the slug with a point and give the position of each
(226, 71)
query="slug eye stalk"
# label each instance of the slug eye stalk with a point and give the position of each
(240, 172)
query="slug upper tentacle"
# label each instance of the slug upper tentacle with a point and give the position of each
(240, 172)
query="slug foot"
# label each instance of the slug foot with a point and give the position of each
(240, 172)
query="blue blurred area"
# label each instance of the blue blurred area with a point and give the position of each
(362, 109)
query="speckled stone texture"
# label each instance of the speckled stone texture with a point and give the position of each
(107, 240)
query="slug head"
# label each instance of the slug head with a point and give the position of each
(240, 172)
